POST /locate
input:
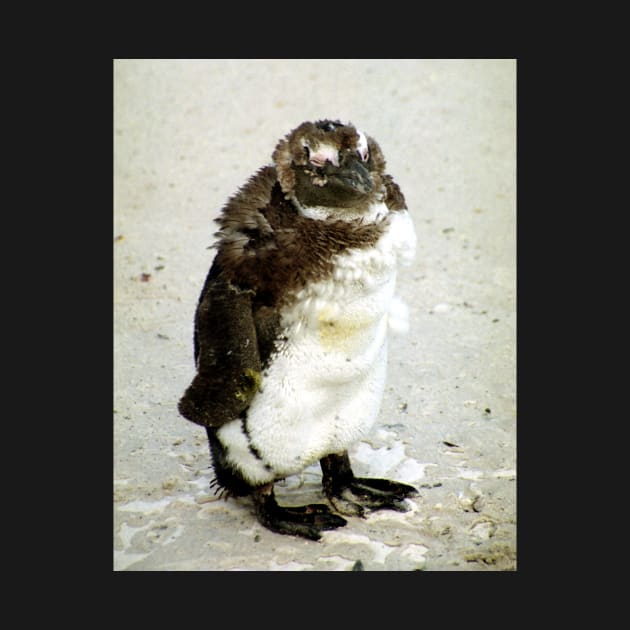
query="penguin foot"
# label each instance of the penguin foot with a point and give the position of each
(362, 494)
(354, 496)
(307, 521)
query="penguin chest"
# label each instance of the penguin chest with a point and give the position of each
(322, 387)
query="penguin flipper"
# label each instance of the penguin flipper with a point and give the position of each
(227, 354)
(394, 199)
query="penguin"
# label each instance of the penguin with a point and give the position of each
(291, 326)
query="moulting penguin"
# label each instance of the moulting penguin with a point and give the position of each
(290, 331)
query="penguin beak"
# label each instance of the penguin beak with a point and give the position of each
(351, 173)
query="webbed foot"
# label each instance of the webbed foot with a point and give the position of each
(355, 495)
(307, 521)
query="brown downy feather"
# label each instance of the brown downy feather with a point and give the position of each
(273, 249)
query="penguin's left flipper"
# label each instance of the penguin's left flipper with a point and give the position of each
(307, 521)
(355, 495)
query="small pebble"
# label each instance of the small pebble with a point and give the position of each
(170, 483)
(482, 530)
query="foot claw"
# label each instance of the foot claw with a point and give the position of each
(401, 490)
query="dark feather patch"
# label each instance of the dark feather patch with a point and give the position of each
(295, 250)
(227, 349)
(394, 198)
(227, 479)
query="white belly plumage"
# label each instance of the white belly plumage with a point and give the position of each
(322, 389)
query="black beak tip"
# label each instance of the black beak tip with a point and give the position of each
(356, 176)
(363, 185)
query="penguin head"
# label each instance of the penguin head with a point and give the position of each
(331, 165)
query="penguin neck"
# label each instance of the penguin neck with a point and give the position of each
(375, 212)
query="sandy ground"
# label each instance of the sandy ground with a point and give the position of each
(188, 133)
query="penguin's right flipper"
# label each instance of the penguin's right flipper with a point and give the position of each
(227, 355)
